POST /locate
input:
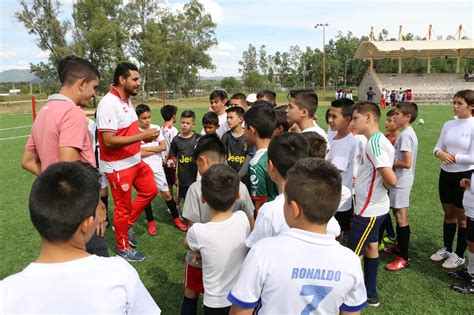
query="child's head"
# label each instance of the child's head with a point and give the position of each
(259, 121)
(283, 152)
(235, 116)
(312, 192)
(318, 146)
(267, 95)
(188, 121)
(463, 103)
(365, 115)
(405, 112)
(220, 187)
(168, 112)
(64, 201)
(390, 122)
(340, 114)
(303, 105)
(209, 150)
(238, 99)
(210, 123)
(144, 116)
(218, 98)
(282, 124)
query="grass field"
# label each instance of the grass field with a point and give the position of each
(420, 289)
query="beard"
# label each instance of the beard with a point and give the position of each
(131, 91)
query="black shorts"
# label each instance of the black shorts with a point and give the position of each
(449, 190)
(182, 190)
(170, 174)
(344, 219)
(470, 229)
(364, 230)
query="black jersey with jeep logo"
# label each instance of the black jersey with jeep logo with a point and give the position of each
(236, 150)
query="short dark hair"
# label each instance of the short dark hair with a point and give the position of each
(306, 99)
(168, 111)
(345, 105)
(364, 107)
(239, 96)
(408, 108)
(285, 149)
(281, 118)
(220, 186)
(318, 146)
(188, 114)
(210, 118)
(270, 95)
(62, 197)
(220, 94)
(315, 185)
(261, 116)
(123, 69)
(239, 111)
(142, 108)
(391, 113)
(72, 68)
(210, 145)
(467, 95)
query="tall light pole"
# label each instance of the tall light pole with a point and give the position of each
(323, 25)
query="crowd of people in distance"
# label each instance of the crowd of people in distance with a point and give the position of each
(281, 216)
(344, 93)
(391, 98)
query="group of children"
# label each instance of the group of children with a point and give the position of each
(270, 200)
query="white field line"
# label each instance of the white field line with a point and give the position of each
(19, 127)
(10, 138)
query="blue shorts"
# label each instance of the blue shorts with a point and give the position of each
(364, 230)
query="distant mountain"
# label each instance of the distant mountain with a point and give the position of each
(18, 75)
(217, 78)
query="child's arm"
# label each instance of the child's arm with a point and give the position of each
(31, 162)
(388, 176)
(405, 162)
(439, 152)
(235, 310)
(148, 151)
(465, 183)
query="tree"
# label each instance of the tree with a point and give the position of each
(249, 61)
(230, 84)
(263, 60)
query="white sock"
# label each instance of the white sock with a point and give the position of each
(470, 263)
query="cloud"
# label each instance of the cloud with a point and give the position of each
(210, 6)
(39, 55)
(8, 53)
(22, 64)
(224, 49)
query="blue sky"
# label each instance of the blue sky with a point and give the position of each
(277, 24)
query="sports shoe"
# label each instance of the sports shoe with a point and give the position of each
(392, 250)
(453, 262)
(460, 274)
(130, 254)
(180, 225)
(389, 240)
(381, 247)
(440, 255)
(152, 228)
(463, 288)
(373, 301)
(131, 238)
(398, 264)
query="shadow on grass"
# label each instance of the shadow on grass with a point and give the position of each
(164, 291)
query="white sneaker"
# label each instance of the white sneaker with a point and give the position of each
(440, 255)
(453, 262)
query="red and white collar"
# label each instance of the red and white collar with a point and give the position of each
(115, 92)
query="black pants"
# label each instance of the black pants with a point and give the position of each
(97, 246)
(216, 311)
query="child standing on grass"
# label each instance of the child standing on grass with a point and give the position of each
(65, 278)
(151, 153)
(235, 144)
(406, 149)
(221, 240)
(181, 149)
(169, 131)
(372, 201)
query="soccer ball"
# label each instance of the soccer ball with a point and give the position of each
(420, 121)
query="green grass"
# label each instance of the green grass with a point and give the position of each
(421, 288)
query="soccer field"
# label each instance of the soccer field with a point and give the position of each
(422, 288)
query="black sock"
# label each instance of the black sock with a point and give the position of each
(370, 276)
(403, 240)
(105, 201)
(461, 244)
(397, 228)
(449, 231)
(172, 206)
(389, 226)
(149, 213)
(189, 306)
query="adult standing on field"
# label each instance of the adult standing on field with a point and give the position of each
(119, 143)
(60, 132)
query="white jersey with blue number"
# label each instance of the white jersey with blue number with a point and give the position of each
(299, 272)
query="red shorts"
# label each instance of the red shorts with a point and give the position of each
(193, 278)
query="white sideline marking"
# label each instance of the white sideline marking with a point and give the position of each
(19, 127)
(10, 138)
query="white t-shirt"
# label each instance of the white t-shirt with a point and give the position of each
(223, 251)
(371, 195)
(318, 130)
(168, 132)
(468, 199)
(457, 137)
(298, 271)
(90, 285)
(223, 126)
(155, 161)
(342, 156)
(360, 152)
(406, 142)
